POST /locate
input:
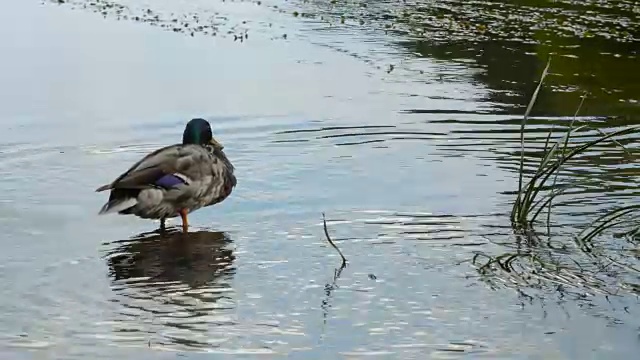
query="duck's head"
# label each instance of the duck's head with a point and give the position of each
(198, 131)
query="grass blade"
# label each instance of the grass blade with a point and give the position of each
(546, 173)
(517, 206)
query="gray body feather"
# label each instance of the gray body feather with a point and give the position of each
(206, 173)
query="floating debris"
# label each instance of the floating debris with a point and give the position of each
(203, 22)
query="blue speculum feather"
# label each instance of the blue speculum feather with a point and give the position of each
(168, 181)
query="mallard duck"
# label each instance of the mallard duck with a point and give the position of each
(174, 180)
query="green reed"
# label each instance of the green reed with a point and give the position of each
(537, 262)
(532, 197)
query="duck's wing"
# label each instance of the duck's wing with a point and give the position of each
(152, 169)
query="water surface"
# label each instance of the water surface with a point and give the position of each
(408, 144)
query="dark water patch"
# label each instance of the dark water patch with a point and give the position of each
(511, 76)
(594, 45)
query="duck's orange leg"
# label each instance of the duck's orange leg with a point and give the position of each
(185, 221)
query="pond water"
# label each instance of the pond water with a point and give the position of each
(400, 122)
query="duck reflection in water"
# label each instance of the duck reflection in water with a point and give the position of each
(196, 259)
(181, 280)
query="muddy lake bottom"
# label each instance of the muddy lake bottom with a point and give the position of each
(410, 155)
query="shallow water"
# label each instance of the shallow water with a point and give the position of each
(412, 164)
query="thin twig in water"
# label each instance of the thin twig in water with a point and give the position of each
(336, 274)
(326, 233)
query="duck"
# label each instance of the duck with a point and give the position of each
(174, 180)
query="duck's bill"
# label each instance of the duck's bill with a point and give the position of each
(216, 144)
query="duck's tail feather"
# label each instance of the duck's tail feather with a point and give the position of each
(118, 205)
(103, 188)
